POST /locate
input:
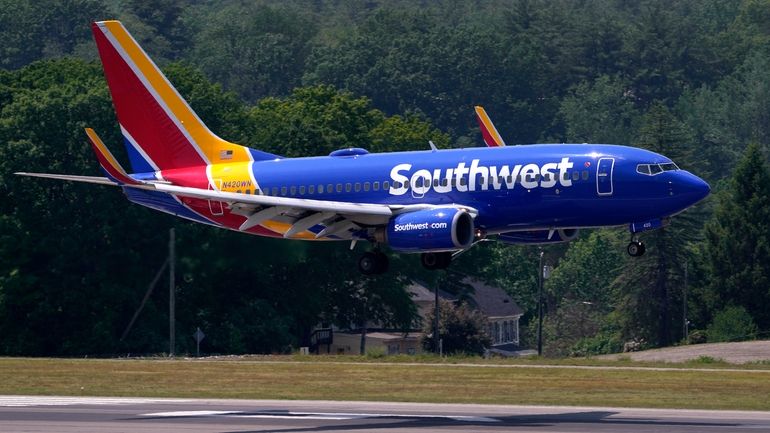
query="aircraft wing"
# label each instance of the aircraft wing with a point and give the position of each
(338, 217)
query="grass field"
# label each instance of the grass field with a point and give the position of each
(416, 382)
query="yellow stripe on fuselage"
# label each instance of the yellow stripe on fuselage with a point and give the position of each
(213, 147)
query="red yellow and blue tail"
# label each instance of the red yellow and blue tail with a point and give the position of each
(491, 137)
(160, 129)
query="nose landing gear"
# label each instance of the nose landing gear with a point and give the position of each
(635, 248)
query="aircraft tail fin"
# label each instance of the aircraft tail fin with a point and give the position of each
(491, 137)
(160, 129)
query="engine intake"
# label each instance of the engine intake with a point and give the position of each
(431, 230)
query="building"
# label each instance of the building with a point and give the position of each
(500, 311)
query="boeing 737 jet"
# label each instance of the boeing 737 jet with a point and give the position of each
(435, 202)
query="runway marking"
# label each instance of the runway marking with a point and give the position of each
(34, 400)
(314, 415)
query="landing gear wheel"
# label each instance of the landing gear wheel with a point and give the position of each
(435, 261)
(635, 249)
(373, 263)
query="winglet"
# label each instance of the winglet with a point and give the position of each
(108, 162)
(491, 137)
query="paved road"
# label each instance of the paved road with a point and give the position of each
(107, 415)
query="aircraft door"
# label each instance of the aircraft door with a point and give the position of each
(216, 207)
(604, 171)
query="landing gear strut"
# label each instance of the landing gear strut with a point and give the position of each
(373, 263)
(635, 248)
(435, 261)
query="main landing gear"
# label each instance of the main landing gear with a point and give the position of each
(436, 261)
(635, 248)
(373, 263)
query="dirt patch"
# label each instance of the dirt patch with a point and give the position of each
(734, 353)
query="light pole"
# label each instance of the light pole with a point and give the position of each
(543, 272)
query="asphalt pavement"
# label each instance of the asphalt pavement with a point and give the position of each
(107, 415)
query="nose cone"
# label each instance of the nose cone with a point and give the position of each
(691, 188)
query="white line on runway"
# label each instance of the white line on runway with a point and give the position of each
(314, 415)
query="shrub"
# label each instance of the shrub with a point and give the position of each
(732, 324)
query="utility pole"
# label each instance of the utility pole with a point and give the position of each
(171, 299)
(685, 326)
(540, 306)
(435, 321)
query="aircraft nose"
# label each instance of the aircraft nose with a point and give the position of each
(693, 188)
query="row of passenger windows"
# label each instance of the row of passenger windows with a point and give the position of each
(653, 169)
(375, 186)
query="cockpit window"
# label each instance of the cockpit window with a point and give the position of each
(653, 169)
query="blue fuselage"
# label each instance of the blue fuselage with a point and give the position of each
(513, 188)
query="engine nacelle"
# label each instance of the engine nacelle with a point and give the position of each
(431, 230)
(535, 237)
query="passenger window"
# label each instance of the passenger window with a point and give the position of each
(575, 175)
(537, 177)
(481, 180)
(510, 178)
(565, 176)
(444, 182)
(339, 187)
(386, 185)
(366, 186)
(358, 186)
(585, 174)
(435, 183)
(302, 190)
(275, 190)
(283, 190)
(329, 188)
(293, 190)
(348, 187)
(376, 186)
(463, 181)
(311, 189)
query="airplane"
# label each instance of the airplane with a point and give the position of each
(436, 203)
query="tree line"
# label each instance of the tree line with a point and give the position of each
(687, 79)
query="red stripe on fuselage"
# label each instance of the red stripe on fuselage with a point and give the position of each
(141, 115)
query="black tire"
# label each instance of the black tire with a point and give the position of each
(368, 263)
(373, 263)
(435, 261)
(635, 249)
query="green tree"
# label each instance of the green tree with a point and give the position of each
(737, 245)
(732, 324)
(649, 287)
(460, 328)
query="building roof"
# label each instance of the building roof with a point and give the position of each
(421, 293)
(492, 301)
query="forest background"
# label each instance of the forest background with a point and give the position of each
(686, 78)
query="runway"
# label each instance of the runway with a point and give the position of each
(107, 415)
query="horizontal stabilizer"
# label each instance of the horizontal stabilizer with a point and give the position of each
(108, 162)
